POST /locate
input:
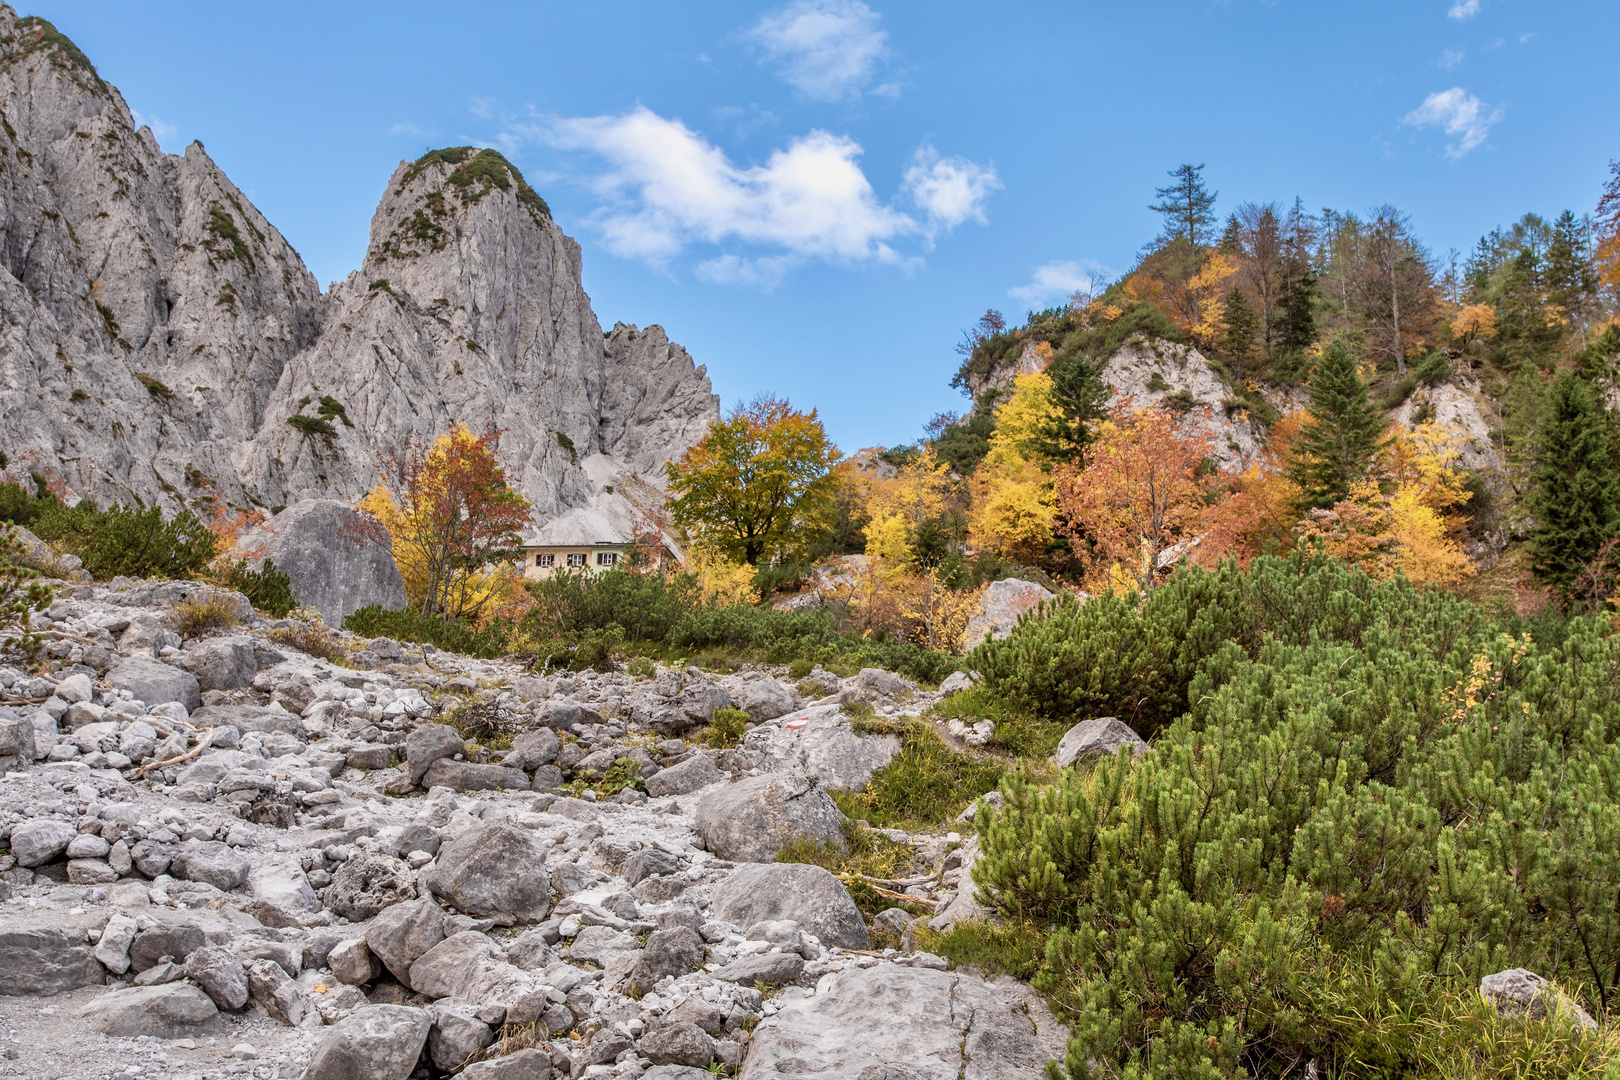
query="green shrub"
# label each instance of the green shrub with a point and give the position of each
(642, 668)
(925, 784)
(725, 730)
(21, 594)
(374, 621)
(1372, 797)
(125, 540)
(268, 589)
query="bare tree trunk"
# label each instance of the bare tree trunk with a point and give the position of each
(1395, 306)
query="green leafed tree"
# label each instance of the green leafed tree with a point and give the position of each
(1576, 500)
(759, 478)
(1338, 442)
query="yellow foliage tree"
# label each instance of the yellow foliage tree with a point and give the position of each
(1205, 289)
(1014, 505)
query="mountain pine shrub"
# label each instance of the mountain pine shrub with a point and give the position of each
(1371, 797)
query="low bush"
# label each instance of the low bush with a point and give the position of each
(123, 540)
(725, 730)
(459, 637)
(1372, 796)
(925, 784)
(205, 615)
(21, 594)
(267, 589)
(312, 638)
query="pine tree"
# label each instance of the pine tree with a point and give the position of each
(1576, 501)
(1080, 396)
(1339, 440)
(1186, 206)
(1241, 326)
(1298, 331)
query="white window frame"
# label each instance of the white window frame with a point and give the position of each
(607, 558)
(578, 559)
(545, 559)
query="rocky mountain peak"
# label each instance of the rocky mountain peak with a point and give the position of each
(161, 341)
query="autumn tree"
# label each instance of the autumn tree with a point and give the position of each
(1394, 286)
(1576, 499)
(453, 522)
(1338, 441)
(759, 476)
(1140, 494)
(1260, 242)
(1606, 231)
(1012, 495)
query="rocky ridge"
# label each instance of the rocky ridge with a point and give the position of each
(163, 341)
(228, 855)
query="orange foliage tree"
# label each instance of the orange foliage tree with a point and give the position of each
(453, 522)
(1141, 494)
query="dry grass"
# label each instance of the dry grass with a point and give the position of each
(208, 614)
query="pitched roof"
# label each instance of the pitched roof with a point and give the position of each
(577, 528)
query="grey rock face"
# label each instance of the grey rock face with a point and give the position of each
(153, 682)
(212, 862)
(753, 819)
(915, 1023)
(377, 1042)
(494, 871)
(337, 560)
(37, 842)
(808, 895)
(191, 331)
(44, 961)
(1521, 992)
(366, 884)
(823, 746)
(221, 976)
(402, 933)
(999, 608)
(428, 743)
(168, 1011)
(1096, 738)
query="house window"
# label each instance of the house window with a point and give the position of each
(545, 560)
(576, 559)
(606, 558)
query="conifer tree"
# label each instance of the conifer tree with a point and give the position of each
(1298, 330)
(1576, 500)
(1237, 340)
(1186, 206)
(1338, 442)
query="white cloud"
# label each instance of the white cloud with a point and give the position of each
(164, 133)
(1460, 113)
(949, 190)
(829, 49)
(407, 129)
(1463, 9)
(1059, 281)
(1450, 59)
(665, 187)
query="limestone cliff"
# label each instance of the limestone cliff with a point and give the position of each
(160, 340)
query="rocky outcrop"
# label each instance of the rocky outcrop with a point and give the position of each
(999, 608)
(161, 340)
(337, 560)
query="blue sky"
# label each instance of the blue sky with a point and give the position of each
(816, 197)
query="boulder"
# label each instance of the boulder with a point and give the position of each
(113, 947)
(675, 952)
(820, 743)
(911, 1023)
(75, 688)
(245, 718)
(211, 862)
(177, 940)
(221, 976)
(403, 933)
(1520, 992)
(998, 610)
(148, 680)
(353, 963)
(753, 819)
(276, 993)
(494, 870)
(376, 1042)
(679, 1044)
(808, 895)
(956, 682)
(962, 907)
(530, 1064)
(337, 559)
(169, 1011)
(16, 741)
(872, 683)
(1096, 738)
(532, 749)
(45, 960)
(281, 889)
(428, 743)
(467, 776)
(645, 863)
(42, 840)
(470, 968)
(696, 772)
(766, 699)
(457, 1034)
(771, 968)
(222, 663)
(366, 884)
